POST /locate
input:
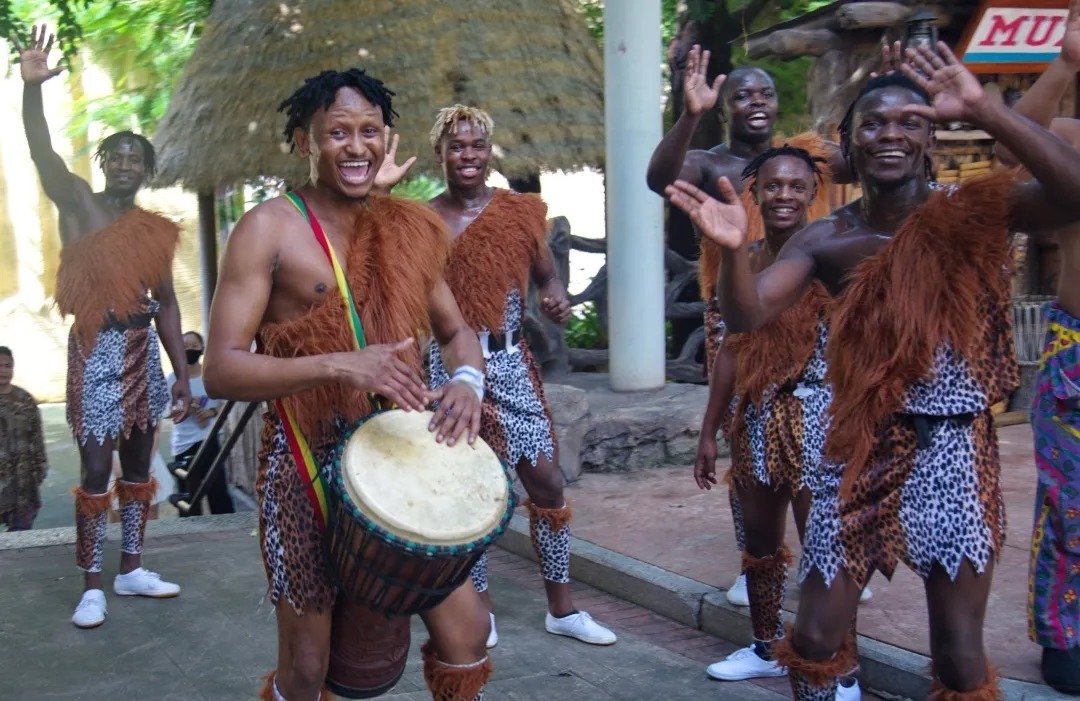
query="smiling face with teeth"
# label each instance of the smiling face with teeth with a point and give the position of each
(344, 144)
(888, 142)
(749, 105)
(124, 167)
(784, 188)
(464, 155)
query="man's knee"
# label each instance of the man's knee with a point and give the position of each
(817, 640)
(961, 666)
(544, 483)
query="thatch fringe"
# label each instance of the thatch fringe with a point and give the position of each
(532, 65)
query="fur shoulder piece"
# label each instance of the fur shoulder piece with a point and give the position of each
(396, 256)
(709, 260)
(113, 269)
(924, 288)
(777, 353)
(495, 254)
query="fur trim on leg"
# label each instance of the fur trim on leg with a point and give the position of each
(816, 673)
(556, 518)
(454, 682)
(781, 558)
(987, 691)
(135, 491)
(766, 583)
(88, 505)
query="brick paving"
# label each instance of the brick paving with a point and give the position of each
(217, 639)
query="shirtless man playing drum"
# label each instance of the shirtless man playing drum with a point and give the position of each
(278, 286)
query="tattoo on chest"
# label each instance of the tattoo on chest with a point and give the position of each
(320, 288)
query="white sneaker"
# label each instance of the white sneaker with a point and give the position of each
(493, 636)
(737, 595)
(849, 693)
(90, 613)
(865, 595)
(581, 626)
(140, 582)
(744, 664)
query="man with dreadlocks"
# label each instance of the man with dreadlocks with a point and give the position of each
(748, 105)
(278, 286)
(919, 349)
(777, 426)
(114, 254)
(1054, 588)
(500, 242)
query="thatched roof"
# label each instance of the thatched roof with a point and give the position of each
(531, 63)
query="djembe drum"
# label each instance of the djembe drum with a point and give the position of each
(408, 519)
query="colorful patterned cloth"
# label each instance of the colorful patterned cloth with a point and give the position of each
(1054, 585)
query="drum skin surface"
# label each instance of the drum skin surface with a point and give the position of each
(409, 516)
(368, 651)
(416, 488)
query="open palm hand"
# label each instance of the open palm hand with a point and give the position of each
(390, 173)
(721, 221)
(954, 92)
(698, 96)
(34, 57)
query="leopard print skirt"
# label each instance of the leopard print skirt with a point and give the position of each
(780, 443)
(292, 543)
(514, 418)
(939, 504)
(118, 385)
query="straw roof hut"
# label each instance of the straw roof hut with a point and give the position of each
(531, 63)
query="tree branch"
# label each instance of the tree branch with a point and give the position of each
(747, 14)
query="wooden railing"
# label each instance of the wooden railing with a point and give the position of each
(548, 340)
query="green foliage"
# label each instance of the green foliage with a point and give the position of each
(584, 330)
(17, 16)
(593, 12)
(141, 44)
(420, 188)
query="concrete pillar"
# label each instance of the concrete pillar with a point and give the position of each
(635, 233)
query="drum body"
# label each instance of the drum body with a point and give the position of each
(409, 517)
(368, 651)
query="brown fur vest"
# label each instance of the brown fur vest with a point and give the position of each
(939, 280)
(495, 254)
(112, 270)
(394, 259)
(779, 351)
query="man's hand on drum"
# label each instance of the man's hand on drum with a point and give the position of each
(380, 370)
(458, 412)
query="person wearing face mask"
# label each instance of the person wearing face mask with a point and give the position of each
(193, 430)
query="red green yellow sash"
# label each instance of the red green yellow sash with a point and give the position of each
(310, 475)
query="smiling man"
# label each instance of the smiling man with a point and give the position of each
(115, 277)
(295, 269)
(500, 242)
(777, 417)
(919, 349)
(748, 105)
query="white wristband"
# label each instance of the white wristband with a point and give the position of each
(472, 377)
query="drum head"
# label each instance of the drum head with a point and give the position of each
(405, 482)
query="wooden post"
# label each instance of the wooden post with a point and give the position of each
(208, 257)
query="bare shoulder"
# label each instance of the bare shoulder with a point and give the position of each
(262, 228)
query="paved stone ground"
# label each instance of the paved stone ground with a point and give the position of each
(661, 517)
(215, 641)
